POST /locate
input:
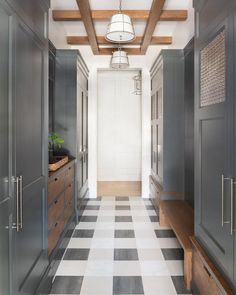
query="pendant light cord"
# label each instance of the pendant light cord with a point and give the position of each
(120, 5)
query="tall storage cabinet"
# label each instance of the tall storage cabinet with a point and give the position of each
(23, 152)
(167, 126)
(215, 128)
(71, 113)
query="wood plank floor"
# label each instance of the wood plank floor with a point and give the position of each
(119, 188)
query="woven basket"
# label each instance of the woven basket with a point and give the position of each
(61, 161)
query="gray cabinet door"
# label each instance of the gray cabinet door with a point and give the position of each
(30, 256)
(5, 20)
(85, 137)
(214, 135)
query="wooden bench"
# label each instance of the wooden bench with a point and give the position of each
(179, 216)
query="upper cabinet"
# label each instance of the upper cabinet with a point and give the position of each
(215, 131)
(167, 125)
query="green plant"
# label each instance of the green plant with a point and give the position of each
(55, 141)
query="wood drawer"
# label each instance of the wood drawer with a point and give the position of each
(54, 234)
(202, 277)
(155, 192)
(69, 193)
(69, 175)
(69, 210)
(56, 186)
(56, 210)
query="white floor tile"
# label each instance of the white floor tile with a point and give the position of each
(99, 268)
(141, 219)
(97, 286)
(90, 212)
(101, 254)
(71, 268)
(176, 267)
(86, 225)
(124, 243)
(169, 243)
(103, 243)
(102, 218)
(105, 225)
(154, 268)
(124, 225)
(150, 254)
(145, 243)
(127, 268)
(158, 286)
(123, 213)
(145, 234)
(80, 243)
(103, 233)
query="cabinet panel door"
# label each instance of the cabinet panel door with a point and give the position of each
(80, 137)
(30, 253)
(5, 20)
(213, 143)
(85, 137)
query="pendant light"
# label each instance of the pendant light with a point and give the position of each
(120, 28)
(119, 59)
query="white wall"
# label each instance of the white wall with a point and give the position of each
(119, 127)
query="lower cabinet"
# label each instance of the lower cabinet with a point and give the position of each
(60, 202)
(155, 191)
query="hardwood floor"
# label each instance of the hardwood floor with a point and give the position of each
(119, 188)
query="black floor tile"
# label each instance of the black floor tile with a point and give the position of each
(76, 254)
(120, 233)
(67, 285)
(124, 207)
(122, 198)
(125, 254)
(154, 218)
(127, 285)
(92, 207)
(123, 219)
(88, 218)
(150, 207)
(165, 233)
(179, 284)
(59, 254)
(83, 233)
(173, 254)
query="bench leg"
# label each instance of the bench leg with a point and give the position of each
(163, 219)
(188, 268)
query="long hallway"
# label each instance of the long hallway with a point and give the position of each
(119, 248)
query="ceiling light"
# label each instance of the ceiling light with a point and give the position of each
(120, 28)
(119, 60)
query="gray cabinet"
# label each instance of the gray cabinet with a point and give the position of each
(215, 132)
(167, 124)
(5, 18)
(71, 113)
(23, 151)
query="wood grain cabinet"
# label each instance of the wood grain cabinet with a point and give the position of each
(61, 210)
(167, 126)
(215, 161)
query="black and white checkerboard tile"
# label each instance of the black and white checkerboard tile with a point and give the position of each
(119, 248)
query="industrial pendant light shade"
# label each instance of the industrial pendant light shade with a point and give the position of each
(120, 28)
(119, 60)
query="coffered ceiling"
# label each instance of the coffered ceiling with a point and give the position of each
(85, 22)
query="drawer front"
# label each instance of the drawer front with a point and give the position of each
(54, 235)
(202, 277)
(69, 210)
(69, 193)
(70, 174)
(155, 193)
(56, 210)
(55, 187)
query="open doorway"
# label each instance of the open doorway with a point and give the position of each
(119, 135)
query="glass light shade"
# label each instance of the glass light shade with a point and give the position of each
(120, 29)
(119, 60)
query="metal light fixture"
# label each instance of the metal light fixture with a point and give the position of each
(120, 28)
(137, 85)
(119, 59)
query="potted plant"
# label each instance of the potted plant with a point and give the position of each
(56, 155)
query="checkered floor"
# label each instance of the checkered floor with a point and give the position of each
(119, 248)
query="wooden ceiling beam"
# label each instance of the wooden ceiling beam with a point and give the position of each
(86, 17)
(109, 51)
(83, 40)
(105, 15)
(154, 17)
